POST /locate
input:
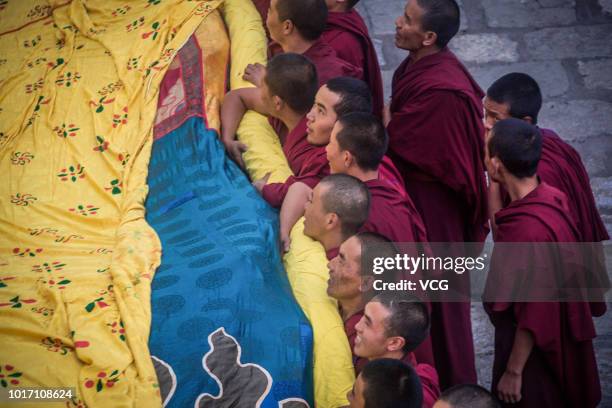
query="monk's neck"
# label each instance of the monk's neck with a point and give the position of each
(290, 119)
(331, 240)
(338, 8)
(363, 175)
(349, 307)
(520, 188)
(421, 53)
(396, 355)
(296, 44)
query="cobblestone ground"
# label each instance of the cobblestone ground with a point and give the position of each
(566, 46)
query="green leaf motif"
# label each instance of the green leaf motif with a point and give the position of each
(90, 307)
(2, 285)
(99, 386)
(63, 282)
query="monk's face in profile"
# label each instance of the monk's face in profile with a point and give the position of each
(409, 34)
(322, 117)
(345, 271)
(273, 22)
(371, 340)
(355, 396)
(492, 164)
(336, 157)
(315, 216)
(493, 113)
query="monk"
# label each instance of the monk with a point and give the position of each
(518, 95)
(392, 326)
(543, 350)
(339, 97)
(336, 209)
(287, 93)
(436, 139)
(466, 396)
(348, 35)
(296, 26)
(386, 383)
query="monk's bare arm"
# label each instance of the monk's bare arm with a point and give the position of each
(509, 387)
(291, 210)
(495, 203)
(235, 105)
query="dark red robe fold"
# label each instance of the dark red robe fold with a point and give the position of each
(427, 374)
(561, 167)
(332, 253)
(348, 34)
(561, 370)
(307, 162)
(436, 139)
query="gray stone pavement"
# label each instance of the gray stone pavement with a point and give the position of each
(566, 45)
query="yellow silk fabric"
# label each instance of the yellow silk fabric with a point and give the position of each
(78, 93)
(306, 264)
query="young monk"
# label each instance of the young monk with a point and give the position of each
(336, 209)
(518, 95)
(386, 383)
(392, 326)
(436, 138)
(296, 26)
(348, 35)
(466, 396)
(286, 94)
(544, 354)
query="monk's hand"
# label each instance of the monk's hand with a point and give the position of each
(386, 114)
(254, 73)
(235, 149)
(509, 387)
(285, 242)
(259, 184)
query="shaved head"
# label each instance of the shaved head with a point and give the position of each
(293, 78)
(308, 16)
(442, 17)
(468, 396)
(349, 198)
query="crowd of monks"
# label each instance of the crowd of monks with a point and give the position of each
(442, 162)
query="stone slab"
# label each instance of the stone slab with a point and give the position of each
(483, 48)
(514, 14)
(596, 74)
(577, 120)
(570, 42)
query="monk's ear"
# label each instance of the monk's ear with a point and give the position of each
(497, 166)
(331, 221)
(288, 27)
(278, 103)
(367, 284)
(347, 159)
(528, 119)
(429, 38)
(395, 343)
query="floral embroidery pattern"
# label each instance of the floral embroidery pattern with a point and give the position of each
(72, 173)
(55, 345)
(41, 101)
(22, 200)
(103, 380)
(39, 11)
(43, 311)
(121, 11)
(100, 104)
(48, 267)
(99, 302)
(36, 62)
(33, 42)
(102, 145)
(152, 3)
(3, 4)
(115, 187)
(21, 158)
(7, 278)
(60, 283)
(84, 210)
(75, 402)
(68, 79)
(135, 24)
(117, 328)
(156, 26)
(133, 63)
(55, 64)
(110, 88)
(120, 119)
(66, 130)
(8, 374)
(123, 159)
(16, 303)
(26, 252)
(33, 87)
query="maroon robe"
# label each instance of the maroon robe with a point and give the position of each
(308, 163)
(436, 139)
(561, 370)
(561, 167)
(427, 374)
(332, 253)
(348, 34)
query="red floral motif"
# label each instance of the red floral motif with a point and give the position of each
(156, 26)
(7, 278)
(117, 328)
(66, 130)
(84, 210)
(121, 11)
(33, 42)
(203, 8)
(21, 158)
(55, 64)
(139, 22)
(133, 63)
(60, 282)
(16, 302)
(43, 311)
(40, 11)
(75, 402)
(55, 345)
(26, 251)
(152, 3)
(103, 380)
(35, 86)
(123, 158)
(100, 104)
(120, 119)
(115, 187)
(68, 78)
(102, 145)
(8, 374)
(22, 200)
(36, 62)
(110, 88)
(72, 173)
